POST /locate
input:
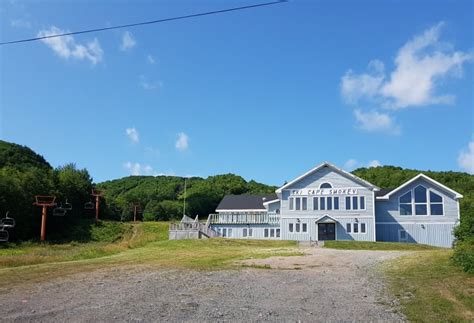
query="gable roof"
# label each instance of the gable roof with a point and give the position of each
(245, 202)
(334, 168)
(425, 177)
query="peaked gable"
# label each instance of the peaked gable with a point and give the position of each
(416, 178)
(333, 168)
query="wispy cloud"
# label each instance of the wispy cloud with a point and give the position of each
(150, 59)
(20, 23)
(128, 42)
(133, 135)
(148, 85)
(466, 158)
(422, 64)
(137, 169)
(66, 47)
(373, 121)
(352, 164)
(153, 152)
(182, 143)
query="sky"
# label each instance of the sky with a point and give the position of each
(265, 93)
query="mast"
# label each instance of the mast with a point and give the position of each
(184, 200)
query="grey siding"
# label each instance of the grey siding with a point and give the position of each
(435, 234)
(388, 210)
(341, 233)
(273, 207)
(258, 230)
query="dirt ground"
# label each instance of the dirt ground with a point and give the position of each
(324, 285)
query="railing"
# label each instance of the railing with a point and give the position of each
(244, 218)
(196, 226)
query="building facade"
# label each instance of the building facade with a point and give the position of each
(328, 203)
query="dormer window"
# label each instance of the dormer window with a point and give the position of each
(325, 185)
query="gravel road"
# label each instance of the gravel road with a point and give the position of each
(324, 285)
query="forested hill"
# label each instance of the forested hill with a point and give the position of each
(20, 156)
(161, 197)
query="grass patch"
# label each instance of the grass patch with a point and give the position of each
(144, 244)
(369, 245)
(431, 288)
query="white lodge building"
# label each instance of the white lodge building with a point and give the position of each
(328, 203)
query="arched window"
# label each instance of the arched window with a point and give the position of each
(325, 185)
(421, 207)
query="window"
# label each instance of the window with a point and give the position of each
(405, 204)
(420, 201)
(362, 203)
(229, 232)
(291, 203)
(291, 227)
(402, 235)
(325, 185)
(348, 228)
(436, 204)
(298, 203)
(224, 232)
(244, 232)
(322, 203)
(329, 203)
(265, 233)
(419, 204)
(250, 232)
(362, 228)
(355, 205)
(336, 202)
(304, 227)
(272, 233)
(348, 202)
(297, 227)
(315, 203)
(304, 202)
(277, 233)
(356, 227)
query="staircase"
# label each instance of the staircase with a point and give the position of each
(189, 228)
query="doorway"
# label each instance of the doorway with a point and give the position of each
(326, 231)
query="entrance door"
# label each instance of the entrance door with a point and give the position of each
(326, 231)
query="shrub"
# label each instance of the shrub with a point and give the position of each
(464, 254)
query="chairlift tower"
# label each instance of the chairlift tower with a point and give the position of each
(136, 207)
(44, 201)
(97, 194)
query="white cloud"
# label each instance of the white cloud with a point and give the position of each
(147, 85)
(128, 42)
(20, 23)
(420, 65)
(374, 121)
(350, 164)
(150, 59)
(182, 142)
(137, 169)
(133, 135)
(66, 47)
(374, 163)
(466, 158)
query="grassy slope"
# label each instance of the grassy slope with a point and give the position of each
(430, 288)
(141, 244)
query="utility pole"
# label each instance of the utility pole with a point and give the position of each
(136, 206)
(97, 194)
(44, 201)
(184, 202)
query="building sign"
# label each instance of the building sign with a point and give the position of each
(324, 191)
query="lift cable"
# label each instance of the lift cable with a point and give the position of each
(144, 23)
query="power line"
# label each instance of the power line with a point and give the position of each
(145, 23)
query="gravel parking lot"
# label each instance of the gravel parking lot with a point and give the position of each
(324, 285)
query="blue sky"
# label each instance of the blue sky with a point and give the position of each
(265, 93)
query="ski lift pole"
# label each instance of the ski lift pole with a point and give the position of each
(43, 222)
(97, 195)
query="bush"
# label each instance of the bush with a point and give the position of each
(464, 254)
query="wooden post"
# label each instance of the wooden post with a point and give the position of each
(97, 207)
(43, 222)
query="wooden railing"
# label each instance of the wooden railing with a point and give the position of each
(244, 218)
